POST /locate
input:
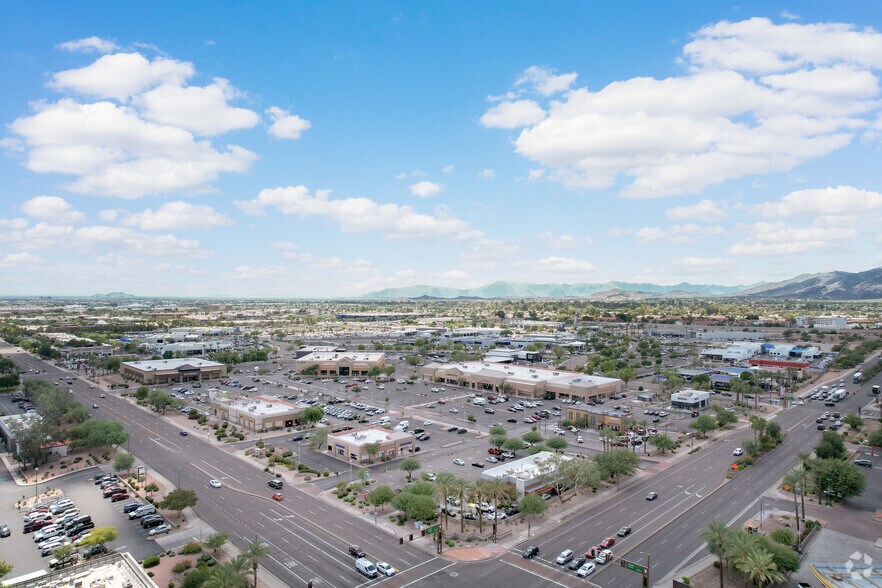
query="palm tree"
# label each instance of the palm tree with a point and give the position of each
(794, 479)
(461, 488)
(715, 537)
(226, 576)
(498, 488)
(478, 494)
(444, 485)
(759, 566)
(253, 554)
(736, 546)
(758, 424)
(606, 437)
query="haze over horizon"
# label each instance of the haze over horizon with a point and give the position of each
(335, 149)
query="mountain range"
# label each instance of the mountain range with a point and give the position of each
(824, 286)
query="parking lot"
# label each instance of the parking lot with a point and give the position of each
(20, 548)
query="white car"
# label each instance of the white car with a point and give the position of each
(215, 483)
(454, 410)
(159, 530)
(498, 516)
(458, 462)
(738, 451)
(427, 423)
(492, 459)
(580, 439)
(586, 569)
(385, 568)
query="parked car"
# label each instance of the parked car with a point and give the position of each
(458, 462)
(159, 530)
(864, 462)
(4, 531)
(94, 550)
(577, 563)
(586, 570)
(131, 507)
(119, 496)
(565, 556)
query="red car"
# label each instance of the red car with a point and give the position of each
(494, 451)
(278, 496)
(592, 553)
(119, 496)
(608, 542)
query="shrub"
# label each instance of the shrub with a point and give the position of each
(190, 548)
(182, 566)
(151, 561)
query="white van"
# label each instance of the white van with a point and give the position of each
(479, 401)
(399, 428)
(404, 424)
(382, 421)
(366, 567)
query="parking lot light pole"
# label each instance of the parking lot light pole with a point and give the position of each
(36, 483)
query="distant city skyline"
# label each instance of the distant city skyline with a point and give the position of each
(333, 149)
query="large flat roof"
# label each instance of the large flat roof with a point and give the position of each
(264, 406)
(171, 364)
(526, 468)
(369, 434)
(337, 356)
(526, 373)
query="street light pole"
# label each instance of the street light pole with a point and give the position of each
(760, 498)
(36, 483)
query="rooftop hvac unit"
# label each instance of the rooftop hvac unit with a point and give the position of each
(535, 376)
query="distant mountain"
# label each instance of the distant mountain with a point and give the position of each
(504, 289)
(114, 296)
(865, 285)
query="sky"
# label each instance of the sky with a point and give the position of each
(329, 149)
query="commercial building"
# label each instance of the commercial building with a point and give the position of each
(512, 355)
(98, 350)
(191, 347)
(525, 474)
(258, 414)
(113, 570)
(593, 417)
(347, 363)
(729, 335)
(522, 381)
(690, 399)
(10, 423)
(351, 445)
(167, 371)
(307, 349)
(826, 322)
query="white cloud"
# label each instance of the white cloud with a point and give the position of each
(201, 109)
(13, 223)
(777, 238)
(89, 45)
(401, 176)
(356, 215)
(825, 202)
(564, 266)
(120, 75)
(248, 272)
(177, 215)
(701, 265)
(511, 115)
(426, 189)
(19, 259)
(453, 275)
(534, 175)
(52, 209)
(545, 81)
(558, 241)
(113, 152)
(327, 263)
(487, 173)
(447, 169)
(759, 98)
(286, 125)
(705, 210)
(688, 233)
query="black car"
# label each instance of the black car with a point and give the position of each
(478, 464)
(652, 496)
(462, 431)
(4, 531)
(297, 438)
(624, 531)
(418, 431)
(531, 552)
(577, 563)
(514, 421)
(94, 550)
(356, 551)
(151, 521)
(130, 507)
(452, 429)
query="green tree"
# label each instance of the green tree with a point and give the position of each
(101, 536)
(179, 499)
(794, 482)
(364, 475)
(853, 421)
(409, 465)
(715, 537)
(63, 551)
(216, 540)
(311, 415)
(160, 401)
(703, 425)
(783, 536)
(626, 374)
(758, 424)
(380, 496)
(319, 438)
(758, 565)
(255, 552)
(532, 505)
(662, 442)
(514, 445)
(532, 437)
(225, 576)
(98, 433)
(30, 438)
(461, 489)
(123, 462)
(831, 446)
(497, 430)
(874, 440)
(498, 490)
(617, 463)
(142, 392)
(498, 441)
(444, 487)
(557, 443)
(5, 568)
(371, 449)
(773, 431)
(196, 578)
(724, 417)
(839, 478)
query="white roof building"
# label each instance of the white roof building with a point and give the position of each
(524, 474)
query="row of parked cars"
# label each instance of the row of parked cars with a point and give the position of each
(146, 513)
(60, 523)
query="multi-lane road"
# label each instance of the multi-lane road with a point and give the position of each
(310, 539)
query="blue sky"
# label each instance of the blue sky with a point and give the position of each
(331, 149)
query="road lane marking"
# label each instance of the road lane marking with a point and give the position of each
(221, 471)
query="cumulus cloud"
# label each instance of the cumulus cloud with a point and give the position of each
(120, 75)
(832, 201)
(89, 45)
(758, 98)
(778, 238)
(175, 215)
(487, 173)
(564, 266)
(19, 259)
(326, 263)
(705, 210)
(447, 169)
(201, 109)
(512, 115)
(558, 241)
(286, 125)
(356, 215)
(53, 209)
(544, 81)
(426, 189)
(13, 223)
(688, 233)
